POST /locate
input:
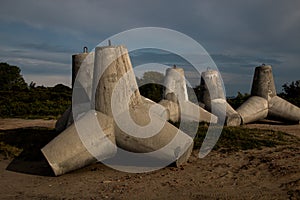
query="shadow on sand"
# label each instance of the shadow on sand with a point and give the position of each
(274, 122)
(31, 140)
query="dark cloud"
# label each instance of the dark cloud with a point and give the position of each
(238, 34)
(47, 47)
(241, 63)
(139, 57)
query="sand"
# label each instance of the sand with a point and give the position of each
(269, 173)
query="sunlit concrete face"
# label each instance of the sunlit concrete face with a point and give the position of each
(213, 97)
(176, 99)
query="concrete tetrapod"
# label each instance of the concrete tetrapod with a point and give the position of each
(264, 102)
(81, 59)
(140, 124)
(70, 150)
(213, 97)
(176, 99)
(63, 122)
(136, 124)
(263, 82)
(255, 108)
(77, 60)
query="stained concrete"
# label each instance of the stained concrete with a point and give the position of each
(63, 122)
(282, 110)
(175, 85)
(254, 109)
(126, 118)
(172, 108)
(176, 99)
(263, 82)
(112, 63)
(213, 97)
(70, 150)
(264, 102)
(81, 61)
(77, 60)
(117, 95)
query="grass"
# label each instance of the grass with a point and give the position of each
(9, 151)
(29, 141)
(25, 140)
(237, 138)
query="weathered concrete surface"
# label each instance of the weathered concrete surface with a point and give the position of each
(187, 111)
(68, 151)
(192, 112)
(173, 142)
(232, 118)
(67, 119)
(77, 60)
(264, 102)
(124, 115)
(254, 109)
(84, 79)
(117, 95)
(263, 83)
(111, 64)
(176, 93)
(213, 96)
(175, 85)
(62, 123)
(85, 60)
(282, 110)
(211, 86)
(172, 110)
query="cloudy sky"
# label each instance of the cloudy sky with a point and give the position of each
(40, 36)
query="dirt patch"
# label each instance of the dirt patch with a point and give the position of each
(269, 173)
(15, 123)
(293, 129)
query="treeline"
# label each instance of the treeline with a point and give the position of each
(37, 102)
(291, 92)
(19, 99)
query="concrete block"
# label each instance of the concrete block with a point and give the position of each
(117, 95)
(176, 93)
(282, 110)
(175, 85)
(213, 97)
(263, 82)
(70, 150)
(272, 107)
(254, 109)
(173, 112)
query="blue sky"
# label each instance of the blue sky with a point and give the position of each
(40, 36)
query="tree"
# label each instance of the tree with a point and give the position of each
(151, 77)
(61, 88)
(32, 85)
(150, 85)
(292, 90)
(238, 100)
(10, 78)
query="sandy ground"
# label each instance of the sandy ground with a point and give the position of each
(270, 173)
(293, 129)
(14, 123)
